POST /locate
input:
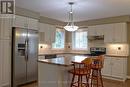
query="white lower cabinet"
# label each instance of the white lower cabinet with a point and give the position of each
(107, 67)
(115, 67)
(118, 67)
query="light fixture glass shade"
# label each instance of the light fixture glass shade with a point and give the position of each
(71, 28)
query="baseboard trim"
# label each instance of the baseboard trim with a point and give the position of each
(114, 78)
(128, 77)
(5, 85)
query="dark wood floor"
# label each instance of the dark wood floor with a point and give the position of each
(107, 83)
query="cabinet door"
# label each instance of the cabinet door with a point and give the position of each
(118, 67)
(91, 31)
(20, 21)
(5, 28)
(106, 71)
(49, 32)
(1, 56)
(44, 28)
(47, 35)
(99, 30)
(41, 37)
(53, 32)
(32, 24)
(5, 50)
(109, 33)
(120, 32)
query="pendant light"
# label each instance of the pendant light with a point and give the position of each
(70, 26)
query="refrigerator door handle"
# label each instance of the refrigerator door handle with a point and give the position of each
(26, 50)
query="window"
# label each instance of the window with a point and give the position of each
(59, 39)
(79, 40)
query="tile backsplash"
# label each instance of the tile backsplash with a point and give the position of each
(46, 48)
(112, 49)
(118, 49)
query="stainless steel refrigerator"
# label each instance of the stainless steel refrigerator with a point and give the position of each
(24, 56)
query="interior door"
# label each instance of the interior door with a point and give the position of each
(19, 56)
(32, 67)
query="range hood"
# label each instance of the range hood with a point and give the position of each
(93, 38)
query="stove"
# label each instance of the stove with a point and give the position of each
(97, 51)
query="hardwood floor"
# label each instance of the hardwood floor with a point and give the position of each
(111, 83)
(107, 83)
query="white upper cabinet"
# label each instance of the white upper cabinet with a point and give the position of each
(20, 21)
(5, 28)
(91, 31)
(96, 30)
(100, 29)
(33, 24)
(48, 31)
(116, 33)
(109, 33)
(113, 33)
(25, 22)
(53, 32)
(120, 32)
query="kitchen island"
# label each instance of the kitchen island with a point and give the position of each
(54, 72)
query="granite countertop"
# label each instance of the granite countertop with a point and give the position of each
(109, 55)
(64, 61)
(62, 53)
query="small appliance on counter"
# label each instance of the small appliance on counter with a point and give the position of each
(97, 51)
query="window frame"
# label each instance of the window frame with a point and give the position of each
(58, 29)
(73, 36)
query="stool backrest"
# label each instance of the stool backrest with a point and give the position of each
(99, 62)
(84, 66)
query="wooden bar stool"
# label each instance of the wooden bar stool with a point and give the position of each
(96, 71)
(80, 70)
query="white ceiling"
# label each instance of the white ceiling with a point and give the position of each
(83, 9)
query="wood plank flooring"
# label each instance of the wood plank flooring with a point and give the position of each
(107, 83)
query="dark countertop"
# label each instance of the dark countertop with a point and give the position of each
(82, 54)
(64, 61)
(61, 53)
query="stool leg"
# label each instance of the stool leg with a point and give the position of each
(72, 80)
(81, 81)
(87, 80)
(78, 80)
(97, 81)
(92, 78)
(101, 78)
